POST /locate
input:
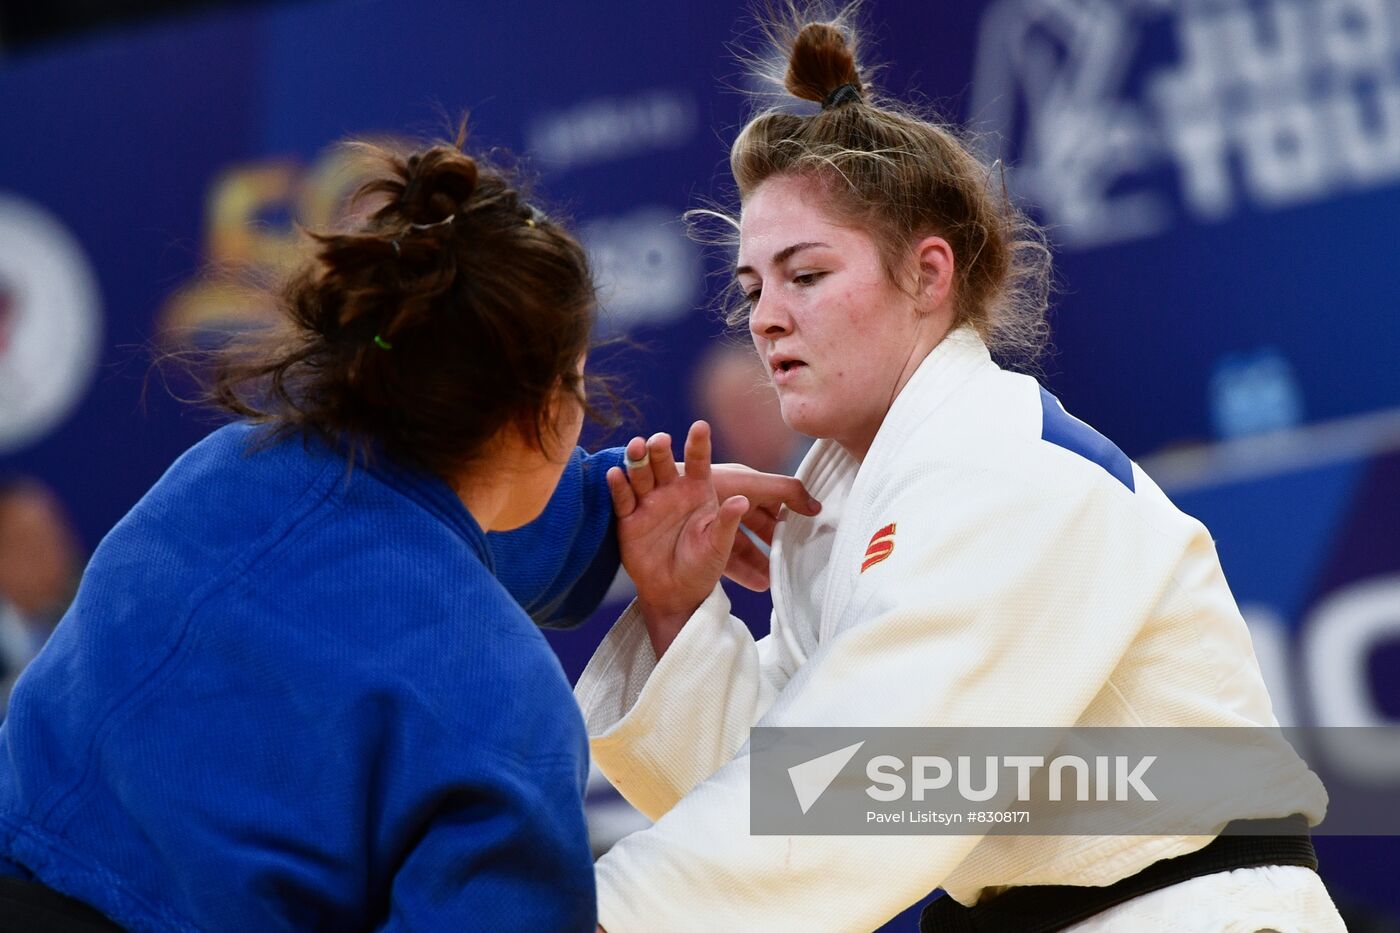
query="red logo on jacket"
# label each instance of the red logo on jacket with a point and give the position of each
(881, 546)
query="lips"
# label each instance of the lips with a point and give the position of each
(785, 368)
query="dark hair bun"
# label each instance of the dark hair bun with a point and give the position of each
(436, 184)
(422, 331)
(820, 62)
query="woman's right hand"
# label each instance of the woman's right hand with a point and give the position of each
(675, 534)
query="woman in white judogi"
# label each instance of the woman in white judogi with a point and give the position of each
(981, 559)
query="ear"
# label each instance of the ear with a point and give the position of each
(936, 264)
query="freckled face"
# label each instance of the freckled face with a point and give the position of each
(840, 339)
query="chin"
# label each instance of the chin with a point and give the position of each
(807, 422)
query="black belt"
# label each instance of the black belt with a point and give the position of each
(1051, 907)
(31, 907)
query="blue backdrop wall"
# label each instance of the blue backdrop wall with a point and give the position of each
(1219, 177)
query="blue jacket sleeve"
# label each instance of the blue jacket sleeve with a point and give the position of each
(559, 566)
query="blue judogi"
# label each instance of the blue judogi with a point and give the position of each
(292, 696)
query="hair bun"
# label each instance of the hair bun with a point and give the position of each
(436, 185)
(820, 62)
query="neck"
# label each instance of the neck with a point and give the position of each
(507, 486)
(486, 501)
(858, 445)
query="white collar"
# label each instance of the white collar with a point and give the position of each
(955, 359)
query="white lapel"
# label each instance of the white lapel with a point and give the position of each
(825, 467)
(958, 357)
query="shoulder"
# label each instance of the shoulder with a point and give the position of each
(993, 430)
(288, 535)
(393, 609)
(215, 510)
(243, 447)
(1004, 443)
(236, 479)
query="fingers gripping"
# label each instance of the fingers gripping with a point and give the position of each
(697, 452)
(731, 511)
(624, 500)
(762, 522)
(639, 470)
(663, 462)
(747, 565)
(767, 491)
(787, 491)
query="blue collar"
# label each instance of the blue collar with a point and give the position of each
(434, 495)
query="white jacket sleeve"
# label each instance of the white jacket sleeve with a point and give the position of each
(1005, 602)
(657, 729)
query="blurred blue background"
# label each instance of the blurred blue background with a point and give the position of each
(1220, 178)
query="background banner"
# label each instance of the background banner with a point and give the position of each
(1220, 179)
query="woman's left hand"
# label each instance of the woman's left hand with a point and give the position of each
(675, 534)
(766, 493)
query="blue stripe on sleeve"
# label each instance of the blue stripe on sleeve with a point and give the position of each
(1062, 429)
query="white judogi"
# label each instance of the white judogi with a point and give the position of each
(1028, 586)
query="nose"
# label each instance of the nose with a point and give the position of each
(768, 318)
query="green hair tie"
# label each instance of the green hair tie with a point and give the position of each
(382, 344)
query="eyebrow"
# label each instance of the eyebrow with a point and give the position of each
(782, 255)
